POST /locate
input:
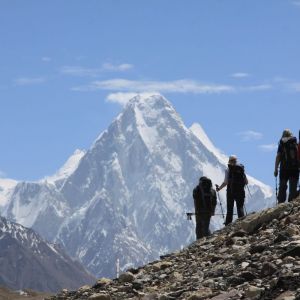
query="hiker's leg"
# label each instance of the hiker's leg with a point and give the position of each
(206, 225)
(293, 182)
(199, 234)
(282, 188)
(240, 207)
(230, 205)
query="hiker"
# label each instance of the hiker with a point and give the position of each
(288, 160)
(205, 201)
(235, 180)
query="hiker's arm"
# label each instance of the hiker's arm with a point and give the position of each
(222, 186)
(225, 181)
(277, 162)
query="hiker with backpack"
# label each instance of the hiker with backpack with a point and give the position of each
(235, 180)
(287, 160)
(205, 201)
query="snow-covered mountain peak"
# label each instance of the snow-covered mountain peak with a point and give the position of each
(199, 132)
(151, 119)
(148, 100)
(151, 108)
(68, 168)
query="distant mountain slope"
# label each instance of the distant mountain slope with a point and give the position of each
(127, 196)
(27, 261)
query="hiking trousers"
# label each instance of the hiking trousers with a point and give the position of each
(202, 224)
(239, 200)
(286, 177)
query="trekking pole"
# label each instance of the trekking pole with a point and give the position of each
(189, 215)
(276, 189)
(220, 203)
(249, 192)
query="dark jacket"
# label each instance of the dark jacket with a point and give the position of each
(205, 201)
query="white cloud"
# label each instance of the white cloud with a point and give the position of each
(29, 80)
(80, 71)
(240, 75)
(116, 68)
(94, 72)
(268, 147)
(46, 59)
(250, 135)
(256, 88)
(123, 98)
(176, 86)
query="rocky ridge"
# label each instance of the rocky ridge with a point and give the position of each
(256, 257)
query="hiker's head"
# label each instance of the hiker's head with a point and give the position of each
(232, 160)
(286, 133)
(206, 183)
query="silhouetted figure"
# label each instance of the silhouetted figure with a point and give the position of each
(235, 180)
(205, 201)
(288, 159)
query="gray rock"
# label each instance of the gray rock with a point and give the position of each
(126, 277)
(253, 292)
(289, 295)
(100, 296)
(201, 294)
(251, 222)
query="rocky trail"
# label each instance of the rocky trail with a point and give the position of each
(257, 257)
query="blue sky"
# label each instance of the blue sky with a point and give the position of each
(66, 67)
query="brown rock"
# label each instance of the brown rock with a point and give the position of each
(100, 296)
(286, 296)
(253, 221)
(226, 295)
(253, 292)
(126, 277)
(84, 288)
(202, 293)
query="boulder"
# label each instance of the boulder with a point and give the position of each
(100, 296)
(254, 221)
(126, 277)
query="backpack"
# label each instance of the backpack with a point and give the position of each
(289, 153)
(236, 178)
(203, 195)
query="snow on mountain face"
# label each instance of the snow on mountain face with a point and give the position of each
(199, 132)
(67, 169)
(6, 187)
(128, 195)
(37, 205)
